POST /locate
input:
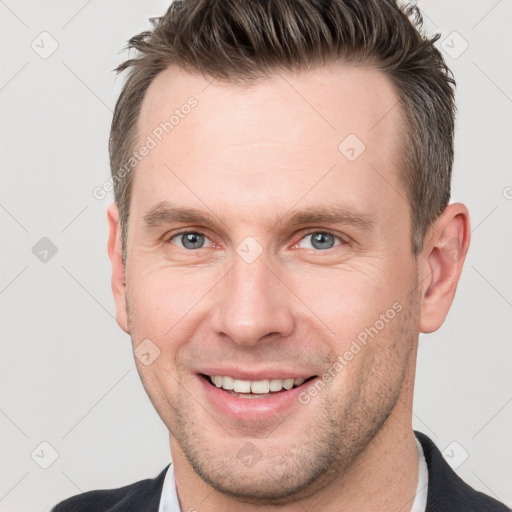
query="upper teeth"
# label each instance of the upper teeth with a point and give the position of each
(254, 386)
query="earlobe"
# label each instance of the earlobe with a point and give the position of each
(443, 255)
(118, 268)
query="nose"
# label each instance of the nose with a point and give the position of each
(252, 303)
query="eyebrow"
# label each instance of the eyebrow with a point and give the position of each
(165, 213)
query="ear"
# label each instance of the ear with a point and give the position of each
(441, 261)
(114, 253)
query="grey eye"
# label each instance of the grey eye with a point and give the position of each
(319, 240)
(190, 240)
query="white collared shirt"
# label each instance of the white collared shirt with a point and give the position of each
(169, 499)
(420, 499)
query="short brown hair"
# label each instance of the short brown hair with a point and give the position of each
(241, 41)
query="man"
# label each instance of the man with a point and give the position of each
(281, 235)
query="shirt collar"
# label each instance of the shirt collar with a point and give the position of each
(420, 499)
(169, 499)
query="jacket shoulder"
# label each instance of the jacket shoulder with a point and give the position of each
(447, 491)
(141, 496)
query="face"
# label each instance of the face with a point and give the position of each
(266, 244)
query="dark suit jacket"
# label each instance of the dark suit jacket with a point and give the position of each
(446, 492)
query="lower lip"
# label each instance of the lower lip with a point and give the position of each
(252, 409)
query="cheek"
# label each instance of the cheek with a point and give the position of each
(163, 301)
(351, 302)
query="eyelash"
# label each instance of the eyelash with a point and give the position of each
(340, 238)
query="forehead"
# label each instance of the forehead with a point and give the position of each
(331, 99)
(271, 141)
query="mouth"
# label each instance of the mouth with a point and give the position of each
(255, 389)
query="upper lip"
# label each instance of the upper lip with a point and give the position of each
(254, 375)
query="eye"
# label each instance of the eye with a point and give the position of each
(190, 240)
(319, 240)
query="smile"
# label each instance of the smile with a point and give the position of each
(255, 388)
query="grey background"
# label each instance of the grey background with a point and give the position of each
(67, 371)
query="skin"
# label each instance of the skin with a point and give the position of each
(251, 158)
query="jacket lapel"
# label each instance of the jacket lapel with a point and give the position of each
(447, 492)
(146, 498)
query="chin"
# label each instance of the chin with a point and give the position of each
(282, 473)
(264, 486)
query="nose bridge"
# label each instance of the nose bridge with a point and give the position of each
(252, 303)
